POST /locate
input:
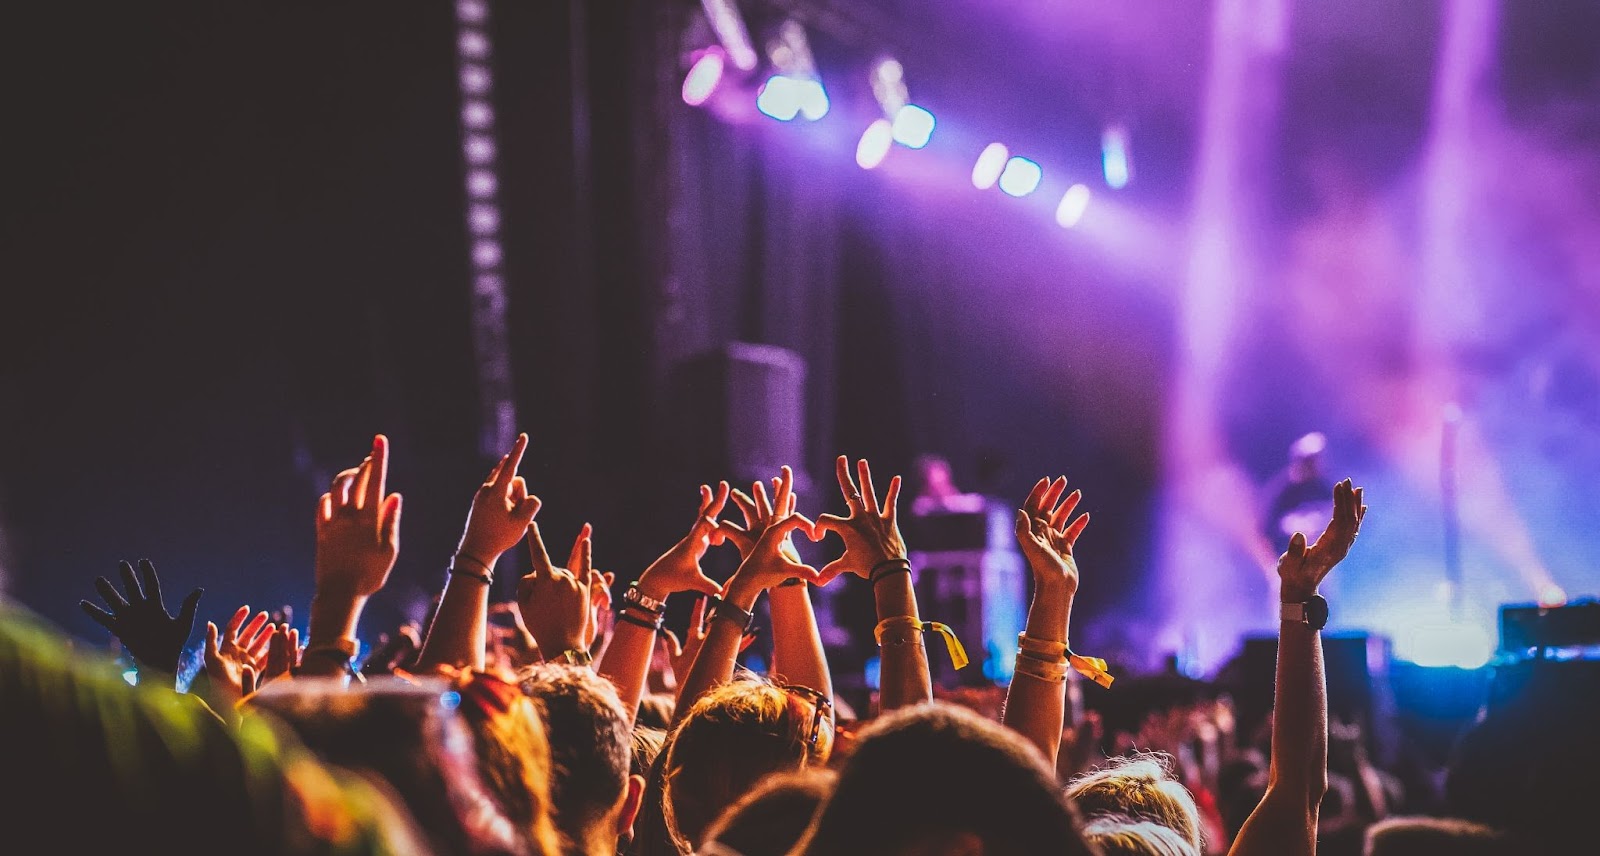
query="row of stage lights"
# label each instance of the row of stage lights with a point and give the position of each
(791, 95)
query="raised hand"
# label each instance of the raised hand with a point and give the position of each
(235, 660)
(358, 528)
(759, 514)
(283, 653)
(1046, 532)
(555, 601)
(771, 559)
(501, 510)
(601, 618)
(140, 621)
(679, 569)
(871, 532)
(1302, 567)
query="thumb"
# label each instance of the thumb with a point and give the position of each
(247, 680)
(211, 641)
(670, 639)
(1297, 545)
(190, 604)
(1024, 527)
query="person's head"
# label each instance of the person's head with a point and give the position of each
(591, 745)
(936, 779)
(409, 738)
(1140, 787)
(1121, 836)
(647, 745)
(771, 819)
(1434, 836)
(655, 711)
(728, 740)
(513, 753)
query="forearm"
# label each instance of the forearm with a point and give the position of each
(1285, 821)
(626, 662)
(903, 677)
(334, 617)
(713, 666)
(1036, 707)
(460, 630)
(797, 655)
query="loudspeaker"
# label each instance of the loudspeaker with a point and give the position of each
(1359, 690)
(739, 413)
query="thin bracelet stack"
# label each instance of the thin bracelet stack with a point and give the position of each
(641, 610)
(486, 576)
(1049, 661)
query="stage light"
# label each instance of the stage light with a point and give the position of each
(475, 79)
(874, 145)
(486, 253)
(1552, 596)
(703, 77)
(1073, 204)
(913, 126)
(779, 98)
(483, 219)
(889, 86)
(473, 45)
(477, 114)
(478, 149)
(481, 184)
(813, 100)
(726, 22)
(1446, 644)
(989, 166)
(1114, 157)
(1021, 177)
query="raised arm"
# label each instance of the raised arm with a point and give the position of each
(766, 565)
(1285, 821)
(358, 538)
(874, 551)
(627, 659)
(501, 511)
(1036, 702)
(797, 654)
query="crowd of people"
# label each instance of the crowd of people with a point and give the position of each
(571, 721)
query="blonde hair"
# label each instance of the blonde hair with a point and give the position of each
(1139, 787)
(731, 738)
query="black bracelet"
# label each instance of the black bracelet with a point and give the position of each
(901, 565)
(484, 577)
(652, 626)
(733, 612)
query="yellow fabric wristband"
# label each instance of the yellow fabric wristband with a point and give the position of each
(1092, 668)
(958, 654)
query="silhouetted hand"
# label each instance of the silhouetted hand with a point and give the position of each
(871, 533)
(1301, 568)
(1046, 536)
(283, 653)
(140, 621)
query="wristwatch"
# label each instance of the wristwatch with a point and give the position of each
(635, 597)
(1312, 612)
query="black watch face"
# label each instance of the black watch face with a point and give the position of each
(1317, 612)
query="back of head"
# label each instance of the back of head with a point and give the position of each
(591, 743)
(731, 738)
(771, 819)
(513, 753)
(647, 746)
(934, 772)
(1138, 787)
(409, 737)
(1120, 836)
(1434, 836)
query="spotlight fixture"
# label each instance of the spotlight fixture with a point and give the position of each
(1020, 177)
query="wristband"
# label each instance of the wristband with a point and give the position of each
(878, 571)
(958, 654)
(487, 577)
(624, 615)
(1053, 672)
(1047, 651)
(733, 612)
(636, 598)
(575, 657)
